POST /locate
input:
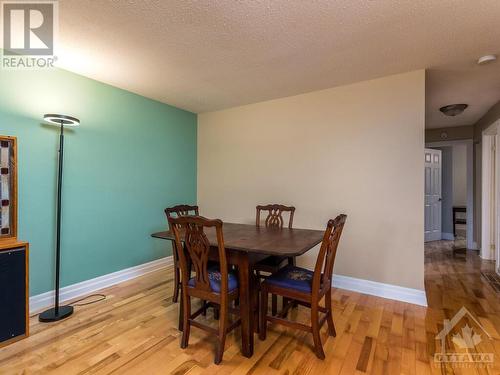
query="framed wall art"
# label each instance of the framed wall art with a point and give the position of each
(8, 187)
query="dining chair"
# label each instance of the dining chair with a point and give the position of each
(178, 211)
(213, 283)
(273, 264)
(307, 288)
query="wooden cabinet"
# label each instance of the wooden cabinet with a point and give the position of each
(14, 291)
(14, 254)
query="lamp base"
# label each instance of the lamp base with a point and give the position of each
(50, 314)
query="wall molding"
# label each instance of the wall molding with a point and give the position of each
(374, 288)
(44, 300)
(483, 254)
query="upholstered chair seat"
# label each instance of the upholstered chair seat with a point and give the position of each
(214, 278)
(292, 277)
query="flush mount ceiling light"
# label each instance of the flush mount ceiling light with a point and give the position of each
(483, 60)
(453, 109)
(61, 120)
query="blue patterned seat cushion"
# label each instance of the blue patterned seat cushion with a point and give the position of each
(291, 277)
(214, 277)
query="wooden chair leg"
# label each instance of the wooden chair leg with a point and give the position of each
(177, 283)
(263, 313)
(204, 305)
(181, 315)
(216, 313)
(284, 302)
(186, 325)
(329, 314)
(219, 352)
(291, 262)
(318, 347)
(274, 304)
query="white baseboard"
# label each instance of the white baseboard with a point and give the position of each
(487, 254)
(447, 236)
(69, 292)
(485, 257)
(374, 288)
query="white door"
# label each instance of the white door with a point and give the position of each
(432, 195)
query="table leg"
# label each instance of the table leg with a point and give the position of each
(245, 304)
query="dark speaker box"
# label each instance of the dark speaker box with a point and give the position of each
(14, 306)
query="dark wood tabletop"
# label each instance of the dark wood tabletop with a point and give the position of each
(261, 240)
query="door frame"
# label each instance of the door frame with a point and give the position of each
(490, 138)
(471, 244)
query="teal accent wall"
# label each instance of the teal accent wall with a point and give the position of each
(130, 158)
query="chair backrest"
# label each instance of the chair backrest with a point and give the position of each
(274, 217)
(190, 230)
(181, 210)
(326, 257)
(178, 211)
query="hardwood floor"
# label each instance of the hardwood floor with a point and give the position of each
(134, 331)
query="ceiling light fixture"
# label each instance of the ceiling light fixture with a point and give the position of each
(483, 60)
(453, 109)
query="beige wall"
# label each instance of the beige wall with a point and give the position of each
(488, 119)
(455, 133)
(356, 149)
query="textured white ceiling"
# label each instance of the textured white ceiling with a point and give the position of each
(469, 83)
(214, 54)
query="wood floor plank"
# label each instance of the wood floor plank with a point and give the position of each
(134, 331)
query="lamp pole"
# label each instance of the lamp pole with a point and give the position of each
(58, 217)
(58, 312)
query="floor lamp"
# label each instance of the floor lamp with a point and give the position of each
(58, 312)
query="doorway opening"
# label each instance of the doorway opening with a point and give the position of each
(449, 199)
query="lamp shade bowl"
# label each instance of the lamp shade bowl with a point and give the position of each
(63, 120)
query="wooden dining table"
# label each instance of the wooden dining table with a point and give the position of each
(247, 244)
